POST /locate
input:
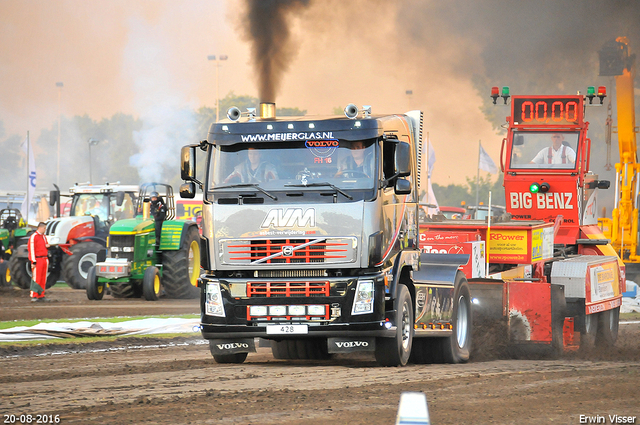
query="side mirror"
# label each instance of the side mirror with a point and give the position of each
(518, 140)
(402, 160)
(402, 187)
(119, 198)
(188, 190)
(188, 163)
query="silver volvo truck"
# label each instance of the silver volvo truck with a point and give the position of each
(310, 240)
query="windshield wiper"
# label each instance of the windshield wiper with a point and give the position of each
(332, 186)
(240, 185)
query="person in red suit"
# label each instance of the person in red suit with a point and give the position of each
(39, 262)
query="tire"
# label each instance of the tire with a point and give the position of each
(236, 358)
(588, 336)
(396, 351)
(5, 274)
(456, 348)
(131, 289)
(20, 269)
(608, 324)
(75, 268)
(95, 289)
(181, 268)
(52, 279)
(151, 286)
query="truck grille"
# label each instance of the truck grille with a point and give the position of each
(288, 289)
(121, 241)
(288, 251)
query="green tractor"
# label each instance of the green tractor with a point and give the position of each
(13, 232)
(137, 266)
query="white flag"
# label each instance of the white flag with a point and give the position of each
(31, 189)
(430, 154)
(486, 163)
(430, 197)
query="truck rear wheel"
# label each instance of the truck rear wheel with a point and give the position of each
(456, 348)
(75, 268)
(396, 351)
(181, 268)
(151, 287)
(95, 289)
(608, 323)
(588, 336)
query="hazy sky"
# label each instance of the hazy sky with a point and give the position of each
(135, 56)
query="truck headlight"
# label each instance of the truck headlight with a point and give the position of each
(363, 302)
(213, 303)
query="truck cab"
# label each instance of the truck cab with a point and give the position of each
(310, 233)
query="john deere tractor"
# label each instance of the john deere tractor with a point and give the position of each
(13, 231)
(137, 266)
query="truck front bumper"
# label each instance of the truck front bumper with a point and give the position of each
(282, 308)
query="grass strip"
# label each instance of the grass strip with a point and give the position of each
(28, 323)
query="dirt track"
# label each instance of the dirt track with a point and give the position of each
(180, 383)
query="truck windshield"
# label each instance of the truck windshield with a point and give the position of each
(542, 150)
(274, 167)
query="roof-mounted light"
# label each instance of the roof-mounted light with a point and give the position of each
(505, 94)
(495, 94)
(602, 93)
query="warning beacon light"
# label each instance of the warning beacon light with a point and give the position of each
(495, 94)
(602, 93)
(505, 94)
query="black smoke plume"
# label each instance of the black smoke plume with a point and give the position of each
(267, 27)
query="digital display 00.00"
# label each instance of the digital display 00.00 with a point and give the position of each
(537, 111)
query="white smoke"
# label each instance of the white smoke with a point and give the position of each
(167, 116)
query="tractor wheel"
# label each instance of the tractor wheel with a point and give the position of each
(181, 268)
(396, 351)
(20, 273)
(151, 287)
(20, 269)
(456, 348)
(75, 268)
(608, 323)
(129, 289)
(5, 274)
(95, 289)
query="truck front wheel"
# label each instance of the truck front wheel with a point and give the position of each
(395, 351)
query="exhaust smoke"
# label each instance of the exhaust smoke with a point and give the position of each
(267, 28)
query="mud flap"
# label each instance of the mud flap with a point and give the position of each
(349, 345)
(439, 268)
(232, 346)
